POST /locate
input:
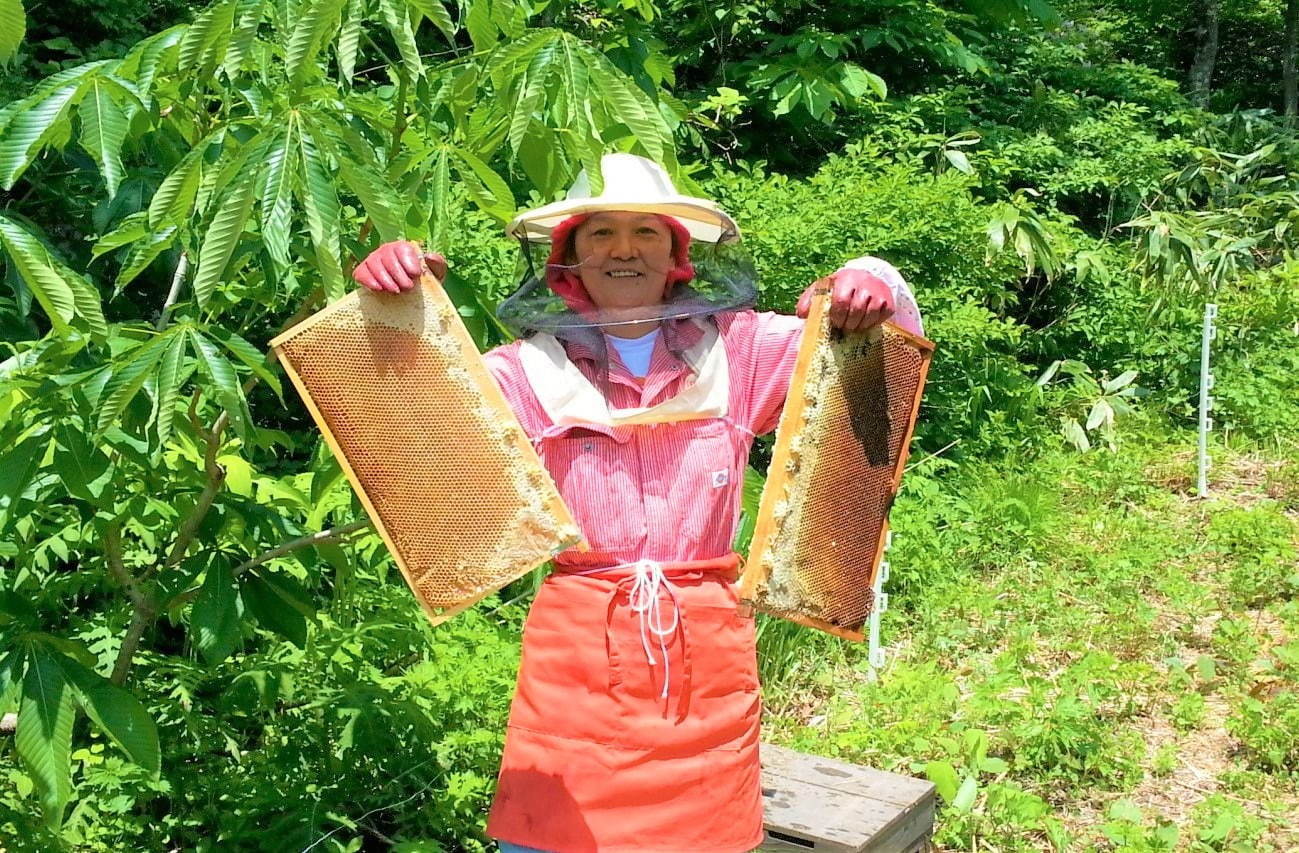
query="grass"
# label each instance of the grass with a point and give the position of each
(1113, 661)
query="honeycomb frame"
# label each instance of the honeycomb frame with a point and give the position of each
(786, 575)
(425, 325)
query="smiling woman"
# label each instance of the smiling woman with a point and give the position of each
(623, 259)
(635, 721)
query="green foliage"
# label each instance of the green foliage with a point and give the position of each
(1266, 729)
(1031, 670)
(151, 472)
(1264, 545)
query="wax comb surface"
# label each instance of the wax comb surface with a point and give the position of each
(839, 454)
(428, 442)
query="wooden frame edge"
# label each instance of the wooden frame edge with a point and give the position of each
(486, 385)
(755, 574)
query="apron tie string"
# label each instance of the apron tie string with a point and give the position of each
(644, 598)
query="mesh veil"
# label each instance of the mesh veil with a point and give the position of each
(717, 277)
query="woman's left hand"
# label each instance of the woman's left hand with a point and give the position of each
(858, 300)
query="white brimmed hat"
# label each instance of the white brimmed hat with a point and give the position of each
(630, 183)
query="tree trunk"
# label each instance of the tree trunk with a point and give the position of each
(1206, 53)
(1291, 53)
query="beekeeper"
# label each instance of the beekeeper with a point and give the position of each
(642, 375)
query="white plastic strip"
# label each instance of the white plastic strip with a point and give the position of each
(1210, 332)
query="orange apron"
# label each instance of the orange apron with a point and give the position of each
(634, 727)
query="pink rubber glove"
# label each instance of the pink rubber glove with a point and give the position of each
(396, 267)
(858, 300)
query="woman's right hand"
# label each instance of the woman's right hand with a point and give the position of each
(396, 267)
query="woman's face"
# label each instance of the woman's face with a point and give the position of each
(624, 258)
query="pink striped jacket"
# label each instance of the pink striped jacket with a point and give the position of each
(670, 491)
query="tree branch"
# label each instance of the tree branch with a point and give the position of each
(320, 537)
(178, 278)
(216, 477)
(117, 566)
(141, 619)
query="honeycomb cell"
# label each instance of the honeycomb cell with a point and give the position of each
(837, 462)
(429, 443)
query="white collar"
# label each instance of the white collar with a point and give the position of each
(570, 399)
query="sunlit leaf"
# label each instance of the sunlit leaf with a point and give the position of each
(249, 355)
(143, 253)
(349, 39)
(222, 235)
(39, 118)
(117, 713)
(13, 28)
(103, 130)
(62, 293)
(169, 378)
(320, 200)
(174, 198)
(128, 377)
(315, 19)
(44, 735)
(221, 373)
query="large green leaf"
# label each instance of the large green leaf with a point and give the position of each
(13, 27)
(440, 189)
(35, 120)
(117, 713)
(44, 735)
(632, 107)
(394, 15)
(248, 15)
(141, 63)
(315, 19)
(575, 79)
(349, 40)
(320, 200)
(169, 379)
(129, 374)
(18, 465)
(529, 99)
(277, 603)
(130, 229)
(279, 175)
(103, 129)
(478, 21)
(143, 253)
(29, 258)
(205, 42)
(252, 357)
(214, 619)
(221, 373)
(503, 63)
(376, 196)
(221, 238)
(174, 198)
(232, 164)
(499, 201)
(85, 470)
(63, 294)
(438, 14)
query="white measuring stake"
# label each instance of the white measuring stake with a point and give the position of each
(876, 653)
(1206, 401)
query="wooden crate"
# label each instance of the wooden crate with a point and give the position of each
(815, 803)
